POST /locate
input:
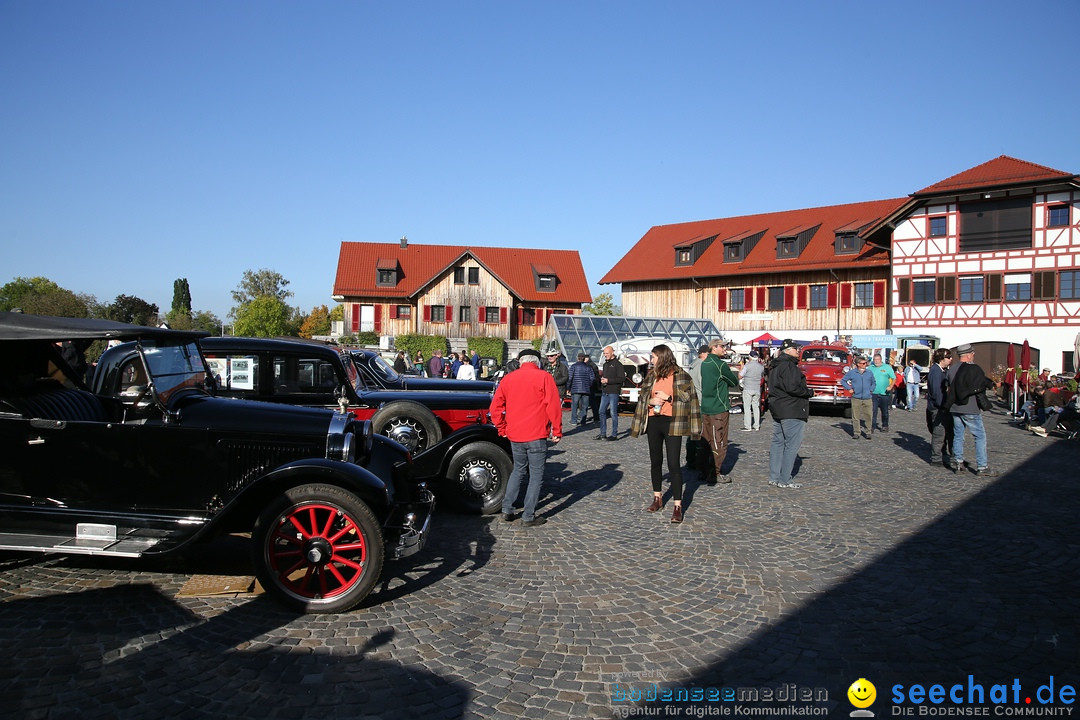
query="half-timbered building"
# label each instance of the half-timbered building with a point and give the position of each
(456, 291)
(991, 254)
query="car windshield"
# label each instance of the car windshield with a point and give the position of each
(825, 355)
(383, 370)
(173, 367)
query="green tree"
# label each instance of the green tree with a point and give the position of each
(181, 297)
(265, 316)
(317, 323)
(201, 320)
(257, 284)
(41, 296)
(134, 310)
(602, 304)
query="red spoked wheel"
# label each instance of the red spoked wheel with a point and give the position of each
(318, 548)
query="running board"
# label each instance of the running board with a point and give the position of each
(89, 539)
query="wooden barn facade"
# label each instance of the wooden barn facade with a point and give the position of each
(456, 291)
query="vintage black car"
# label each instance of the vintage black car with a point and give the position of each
(456, 448)
(377, 373)
(153, 471)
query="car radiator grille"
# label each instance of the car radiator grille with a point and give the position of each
(250, 460)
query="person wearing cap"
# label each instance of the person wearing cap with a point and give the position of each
(861, 383)
(580, 380)
(966, 381)
(667, 411)
(912, 378)
(939, 420)
(612, 377)
(885, 378)
(697, 451)
(789, 403)
(750, 375)
(558, 370)
(527, 410)
(717, 378)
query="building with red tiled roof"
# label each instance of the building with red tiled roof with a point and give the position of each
(989, 255)
(798, 272)
(456, 291)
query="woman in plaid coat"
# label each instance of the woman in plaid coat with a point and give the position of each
(668, 410)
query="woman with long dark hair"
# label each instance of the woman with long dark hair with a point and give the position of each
(667, 411)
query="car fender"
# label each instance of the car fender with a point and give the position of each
(354, 478)
(433, 462)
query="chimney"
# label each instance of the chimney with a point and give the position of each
(404, 242)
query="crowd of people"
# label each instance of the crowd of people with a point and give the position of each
(694, 404)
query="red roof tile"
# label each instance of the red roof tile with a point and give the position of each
(652, 257)
(420, 264)
(1003, 170)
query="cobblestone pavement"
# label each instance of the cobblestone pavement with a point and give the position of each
(880, 567)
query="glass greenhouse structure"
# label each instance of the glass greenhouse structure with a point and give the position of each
(571, 334)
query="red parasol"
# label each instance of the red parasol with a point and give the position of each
(1010, 364)
(766, 339)
(1025, 361)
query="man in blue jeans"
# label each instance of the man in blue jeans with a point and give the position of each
(966, 380)
(884, 378)
(789, 403)
(612, 377)
(527, 410)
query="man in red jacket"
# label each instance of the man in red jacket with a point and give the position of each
(527, 410)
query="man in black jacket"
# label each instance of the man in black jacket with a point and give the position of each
(612, 377)
(789, 403)
(966, 381)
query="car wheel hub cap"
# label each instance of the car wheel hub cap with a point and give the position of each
(318, 551)
(406, 434)
(478, 477)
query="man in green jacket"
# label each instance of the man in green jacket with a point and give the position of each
(716, 379)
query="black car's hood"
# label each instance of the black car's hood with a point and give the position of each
(410, 382)
(21, 326)
(252, 416)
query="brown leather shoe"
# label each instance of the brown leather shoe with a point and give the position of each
(656, 505)
(676, 516)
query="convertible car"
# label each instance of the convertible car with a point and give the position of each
(164, 464)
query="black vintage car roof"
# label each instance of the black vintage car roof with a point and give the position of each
(21, 326)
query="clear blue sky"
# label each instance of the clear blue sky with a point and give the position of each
(145, 141)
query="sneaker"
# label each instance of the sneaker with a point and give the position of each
(535, 521)
(723, 478)
(600, 437)
(746, 430)
(1039, 430)
(984, 472)
(789, 485)
(612, 437)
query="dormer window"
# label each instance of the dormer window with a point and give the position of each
(847, 243)
(688, 253)
(545, 278)
(386, 273)
(736, 248)
(790, 244)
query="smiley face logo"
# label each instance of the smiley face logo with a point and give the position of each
(862, 693)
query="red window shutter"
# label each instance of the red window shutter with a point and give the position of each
(831, 296)
(378, 318)
(540, 316)
(789, 297)
(393, 312)
(502, 315)
(569, 312)
(427, 313)
(481, 314)
(354, 318)
(879, 293)
(845, 295)
(802, 293)
(759, 304)
(520, 314)
(449, 313)
(721, 300)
